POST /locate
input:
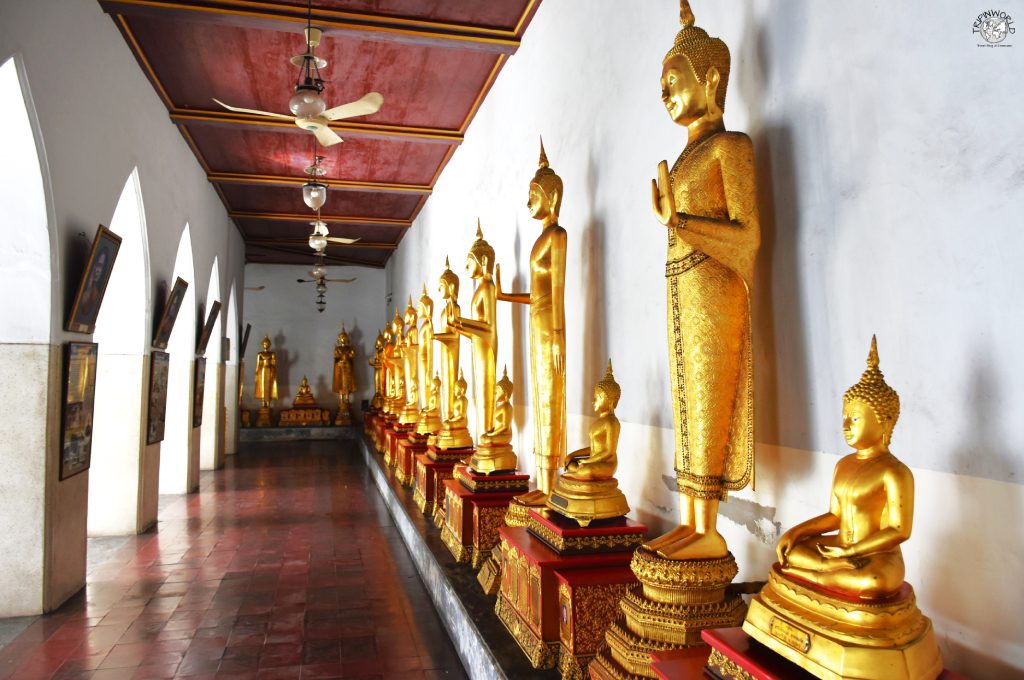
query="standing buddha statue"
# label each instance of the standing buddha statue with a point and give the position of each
(842, 594)
(425, 346)
(546, 299)
(482, 330)
(266, 381)
(449, 339)
(410, 359)
(708, 202)
(378, 372)
(396, 362)
(344, 382)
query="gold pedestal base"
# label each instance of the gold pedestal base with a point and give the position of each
(489, 576)
(491, 458)
(676, 601)
(452, 439)
(263, 417)
(842, 639)
(344, 416)
(587, 500)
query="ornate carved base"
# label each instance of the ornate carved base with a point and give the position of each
(489, 459)
(560, 600)
(586, 501)
(369, 417)
(472, 517)
(489, 576)
(394, 434)
(678, 599)
(835, 637)
(540, 653)
(405, 469)
(344, 416)
(430, 475)
(380, 425)
(304, 416)
(263, 417)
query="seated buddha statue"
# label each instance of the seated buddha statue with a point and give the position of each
(305, 395)
(587, 489)
(454, 433)
(430, 417)
(847, 586)
(494, 453)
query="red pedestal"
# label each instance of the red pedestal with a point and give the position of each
(736, 655)
(369, 418)
(474, 508)
(557, 605)
(380, 425)
(407, 452)
(393, 434)
(680, 663)
(431, 469)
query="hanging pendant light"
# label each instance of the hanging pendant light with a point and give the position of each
(314, 192)
(318, 239)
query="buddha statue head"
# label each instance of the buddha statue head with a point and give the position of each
(695, 73)
(396, 326)
(870, 408)
(410, 315)
(480, 261)
(545, 192)
(434, 399)
(607, 391)
(461, 386)
(426, 305)
(378, 344)
(266, 343)
(503, 389)
(386, 335)
(343, 339)
(449, 285)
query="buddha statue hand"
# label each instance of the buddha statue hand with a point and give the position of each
(662, 200)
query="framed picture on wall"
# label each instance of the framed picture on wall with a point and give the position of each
(245, 341)
(169, 314)
(197, 396)
(79, 397)
(159, 364)
(207, 330)
(93, 285)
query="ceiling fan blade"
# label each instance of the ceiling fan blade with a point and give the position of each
(326, 136)
(370, 103)
(305, 280)
(255, 288)
(339, 239)
(343, 280)
(238, 109)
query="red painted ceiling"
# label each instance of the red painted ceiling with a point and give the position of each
(432, 60)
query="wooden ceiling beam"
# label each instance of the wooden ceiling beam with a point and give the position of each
(337, 184)
(309, 217)
(329, 259)
(301, 243)
(280, 16)
(345, 128)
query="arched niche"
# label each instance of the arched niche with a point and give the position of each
(122, 493)
(231, 376)
(26, 352)
(179, 460)
(211, 448)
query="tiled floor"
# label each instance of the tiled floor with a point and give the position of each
(285, 565)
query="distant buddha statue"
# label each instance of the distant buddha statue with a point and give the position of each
(410, 368)
(305, 395)
(395, 358)
(266, 381)
(841, 595)
(448, 337)
(378, 372)
(494, 451)
(454, 433)
(588, 490)
(344, 383)
(430, 417)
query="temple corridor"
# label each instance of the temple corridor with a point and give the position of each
(284, 565)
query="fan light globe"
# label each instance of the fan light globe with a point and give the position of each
(314, 194)
(306, 103)
(321, 288)
(321, 303)
(317, 242)
(318, 271)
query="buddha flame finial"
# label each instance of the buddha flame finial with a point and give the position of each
(608, 385)
(874, 391)
(543, 156)
(482, 250)
(686, 18)
(479, 231)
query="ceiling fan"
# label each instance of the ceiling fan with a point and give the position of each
(326, 280)
(309, 109)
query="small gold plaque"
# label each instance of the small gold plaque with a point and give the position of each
(791, 635)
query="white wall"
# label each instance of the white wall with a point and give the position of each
(97, 117)
(303, 338)
(889, 192)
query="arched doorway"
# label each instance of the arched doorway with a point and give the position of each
(122, 497)
(211, 449)
(26, 294)
(179, 452)
(231, 376)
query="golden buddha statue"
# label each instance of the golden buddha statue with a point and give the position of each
(396, 362)
(449, 338)
(305, 395)
(375, 362)
(429, 422)
(454, 432)
(494, 449)
(587, 490)
(425, 345)
(709, 203)
(410, 367)
(344, 379)
(387, 377)
(852, 614)
(266, 381)
(547, 329)
(482, 329)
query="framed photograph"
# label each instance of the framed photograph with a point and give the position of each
(207, 331)
(93, 285)
(79, 397)
(158, 370)
(197, 396)
(170, 313)
(245, 340)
